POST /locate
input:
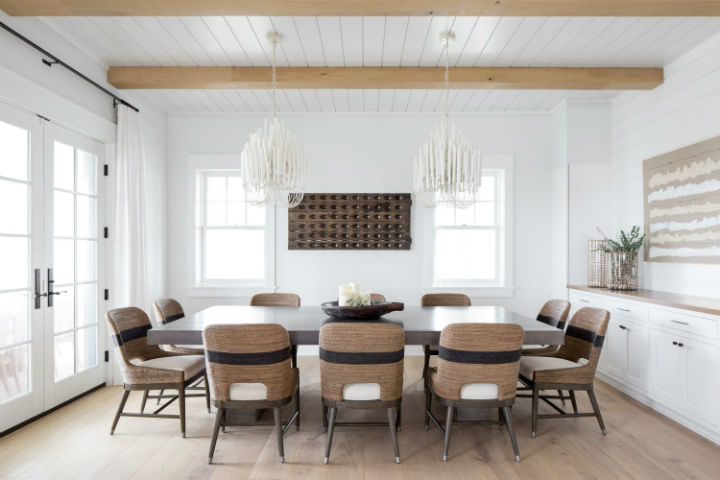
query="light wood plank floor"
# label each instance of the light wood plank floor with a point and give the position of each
(73, 443)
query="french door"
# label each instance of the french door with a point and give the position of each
(51, 265)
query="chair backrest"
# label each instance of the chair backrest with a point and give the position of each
(480, 353)
(584, 337)
(168, 310)
(445, 300)
(128, 327)
(361, 352)
(554, 313)
(275, 300)
(377, 297)
(251, 353)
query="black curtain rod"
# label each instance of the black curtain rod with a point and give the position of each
(53, 60)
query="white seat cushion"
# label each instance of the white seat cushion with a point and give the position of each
(531, 347)
(190, 365)
(529, 365)
(194, 347)
(479, 391)
(248, 391)
(361, 391)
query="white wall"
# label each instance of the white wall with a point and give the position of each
(370, 153)
(682, 111)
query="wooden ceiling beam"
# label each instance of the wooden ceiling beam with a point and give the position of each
(611, 8)
(173, 78)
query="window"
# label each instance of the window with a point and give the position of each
(470, 243)
(230, 240)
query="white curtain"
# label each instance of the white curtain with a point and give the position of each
(129, 250)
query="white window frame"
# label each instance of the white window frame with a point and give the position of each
(200, 166)
(501, 286)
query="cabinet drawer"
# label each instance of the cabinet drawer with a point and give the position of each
(681, 322)
(628, 311)
(580, 300)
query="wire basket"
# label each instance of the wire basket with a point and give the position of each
(597, 263)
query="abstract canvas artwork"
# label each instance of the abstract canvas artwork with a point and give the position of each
(682, 204)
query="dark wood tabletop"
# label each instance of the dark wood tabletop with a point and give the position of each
(422, 325)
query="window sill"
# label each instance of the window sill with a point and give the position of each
(473, 291)
(228, 291)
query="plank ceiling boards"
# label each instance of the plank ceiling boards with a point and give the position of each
(365, 7)
(382, 41)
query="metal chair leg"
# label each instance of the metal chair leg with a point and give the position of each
(393, 432)
(596, 409)
(398, 421)
(508, 421)
(501, 419)
(331, 428)
(325, 417)
(428, 406)
(207, 393)
(448, 427)
(181, 404)
(123, 400)
(160, 397)
(279, 433)
(426, 365)
(573, 401)
(216, 428)
(297, 404)
(535, 402)
(144, 401)
(562, 397)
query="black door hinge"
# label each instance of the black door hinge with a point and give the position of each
(105, 169)
(107, 356)
(106, 232)
(107, 294)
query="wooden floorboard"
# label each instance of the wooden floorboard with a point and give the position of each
(73, 443)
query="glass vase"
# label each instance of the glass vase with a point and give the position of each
(623, 271)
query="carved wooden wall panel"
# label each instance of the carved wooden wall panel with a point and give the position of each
(350, 221)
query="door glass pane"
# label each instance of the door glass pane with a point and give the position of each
(86, 218)
(64, 261)
(86, 348)
(64, 166)
(13, 207)
(14, 367)
(14, 320)
(86, 260)
(86, 304)
(64, 214)
(14, 158)
(86, 172)
(64, 355)
(14, 263)
(64, 309)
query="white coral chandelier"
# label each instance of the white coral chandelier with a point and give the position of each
(448, 169)
(272, 163)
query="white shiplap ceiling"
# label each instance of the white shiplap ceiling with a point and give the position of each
(380, 41)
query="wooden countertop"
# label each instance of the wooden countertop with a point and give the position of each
(675, 300)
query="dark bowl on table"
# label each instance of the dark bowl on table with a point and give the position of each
(364, 312)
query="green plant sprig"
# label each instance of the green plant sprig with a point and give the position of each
(626, 242)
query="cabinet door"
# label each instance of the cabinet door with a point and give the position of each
(614, 351)
(702, 368)
(668, 370)
(638, 354)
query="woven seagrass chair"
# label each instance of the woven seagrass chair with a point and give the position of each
(440, 300)
(361, 366)
(571, 368)
(377, 298)
(147, 367)
(249, 368)
(554, 313)
(275, 300)
(169, 310)
(477, 368)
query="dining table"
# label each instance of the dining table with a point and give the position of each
(422, 325)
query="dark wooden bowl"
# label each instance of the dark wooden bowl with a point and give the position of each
(365, 312)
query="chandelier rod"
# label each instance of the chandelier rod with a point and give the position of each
(274, 78)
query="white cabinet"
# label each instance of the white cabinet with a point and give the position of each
(668, 358)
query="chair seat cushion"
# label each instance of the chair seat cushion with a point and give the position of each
(533, 347)
(190, 365)
(361, 391)
(530, 365)
(248, 391)
(479, 391)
